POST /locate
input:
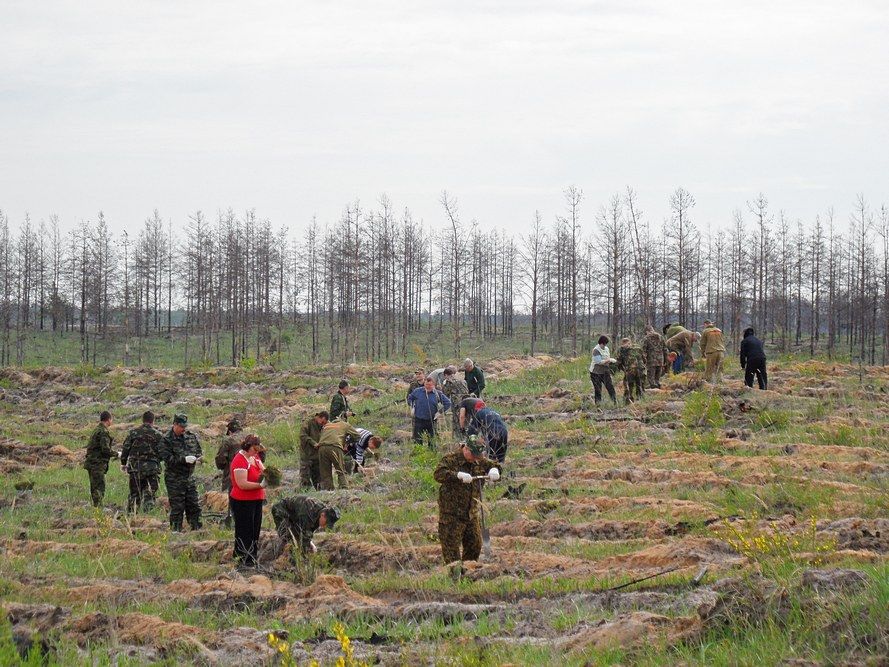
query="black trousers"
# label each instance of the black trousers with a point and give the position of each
(598, 380)
(422, 426)
(756, 368)
(248, 521)
(497, 445)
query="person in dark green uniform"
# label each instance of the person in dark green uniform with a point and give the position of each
(180, 451)
(140, 459)
(98, 453)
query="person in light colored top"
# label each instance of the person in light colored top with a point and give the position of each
(600, 370)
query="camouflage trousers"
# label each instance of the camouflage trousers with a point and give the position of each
(309, 471)
(654, 376)
(183, 495)
(97, 486)
(634, 385)
(143, 490)
(455, 533)
(331, 460)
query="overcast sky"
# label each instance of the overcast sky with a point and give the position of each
(297, 108)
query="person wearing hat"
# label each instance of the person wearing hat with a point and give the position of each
(247, 496)
(713, 349)
(180, 451)
(459, 497)
(297, 519)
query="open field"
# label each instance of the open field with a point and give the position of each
(770, 509)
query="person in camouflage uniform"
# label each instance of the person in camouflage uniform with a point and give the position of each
(98, 453)
(631, 361)
(228, 448)
(417, 382)
(140, 458)
(331, 447)
(309, 455)
(297, 519)
(456, 390)
(339, 404)
(180, 451)
(459, 498)
(654, 349)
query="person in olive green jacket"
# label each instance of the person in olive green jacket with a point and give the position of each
(98, 453)
(339, 405)
(713, 349)
(309, 455)
(331, 446)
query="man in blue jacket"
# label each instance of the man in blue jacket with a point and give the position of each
(493, 432)
(425, 403)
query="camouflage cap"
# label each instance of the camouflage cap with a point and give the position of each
(180, 419)
(474, 445)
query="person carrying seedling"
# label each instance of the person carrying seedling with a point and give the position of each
(140, 458)
(98, 453)
(180, 452)
(459, 499)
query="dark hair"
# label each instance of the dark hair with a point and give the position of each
(344, 384)
(748, 332)
(251, 440)
(105, 416)
(148, 417)
(375, 440)
(603, 340)
(323, 413)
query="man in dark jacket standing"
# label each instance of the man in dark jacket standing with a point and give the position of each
(474, 377)
(339, 406)
(98, 452)
(425, 403)
(753, 360)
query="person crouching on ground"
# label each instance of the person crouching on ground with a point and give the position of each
(247, 498)
(459, 498)
(297, 519)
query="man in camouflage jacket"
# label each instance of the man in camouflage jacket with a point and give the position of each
(631, 361)
(297, 519)
(98, 452)
(654, 349)
(309, 455)
(140, 458)
(180, 451)
(459, 498)
(456, 390)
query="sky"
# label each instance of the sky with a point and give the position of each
(297, 109)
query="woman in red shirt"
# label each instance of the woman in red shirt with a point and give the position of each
(247, 497)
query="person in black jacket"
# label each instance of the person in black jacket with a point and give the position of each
(753, 360)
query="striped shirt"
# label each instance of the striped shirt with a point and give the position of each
(357, 448)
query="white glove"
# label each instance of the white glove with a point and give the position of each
(263, 484)
(119, 454)
(464, 477)
(314, 548)
(493, 474)
(190, 459)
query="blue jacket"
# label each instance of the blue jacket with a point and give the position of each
(426, 405)
(487, 423)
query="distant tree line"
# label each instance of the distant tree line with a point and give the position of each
(232, 287)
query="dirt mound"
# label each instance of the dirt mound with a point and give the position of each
(365, 557)
(216, 501)
(636, 475)
(44, 455)
(204, 550)
(632, 630)
(595, 530)
(522, 564)
(504, 368)
(687, 552)
(860, 534)
(327, 595)
(107, 546)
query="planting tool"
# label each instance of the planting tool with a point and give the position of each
(486, 535)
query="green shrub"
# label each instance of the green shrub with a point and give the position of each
(703, 409)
